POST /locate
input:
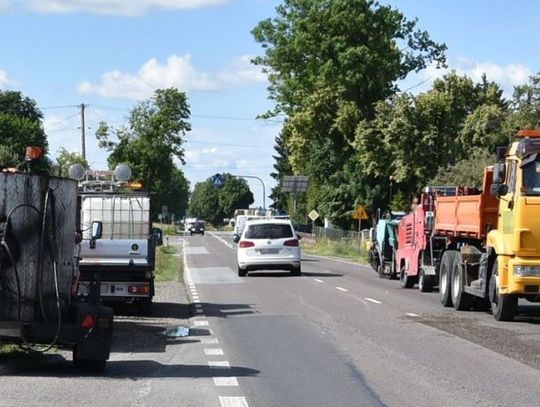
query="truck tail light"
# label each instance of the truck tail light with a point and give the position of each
(88, 322)
(246, 243)
(292, 243)
(139, 289)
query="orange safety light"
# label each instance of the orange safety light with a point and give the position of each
(529, 133)
(33, 153)
(135, 185)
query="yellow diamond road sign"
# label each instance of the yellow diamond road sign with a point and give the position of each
(360, 213)
(313, 215)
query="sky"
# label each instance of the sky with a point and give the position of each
(111, 54)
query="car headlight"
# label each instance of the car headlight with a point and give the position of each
(527, 271)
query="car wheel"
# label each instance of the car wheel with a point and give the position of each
(242, 272)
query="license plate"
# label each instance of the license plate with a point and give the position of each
(269, 251)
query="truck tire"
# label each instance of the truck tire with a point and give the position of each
(461, 300)
(447, 262)
(406, 281)
(503, 306)
(425, 283)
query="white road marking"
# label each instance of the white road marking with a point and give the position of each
(213, 351)
(229, 245)
(196, 297)
(226, 381)
(196, 301)
(341, 289)
(233, 402)
(412, 315)
(207, 341)
(200, 323)
(372, 300)
(317, 280)
(215, 364)
(199, 311)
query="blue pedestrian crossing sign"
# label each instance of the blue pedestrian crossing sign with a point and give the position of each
(218, 181)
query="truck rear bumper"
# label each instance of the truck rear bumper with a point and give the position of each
(120, 289)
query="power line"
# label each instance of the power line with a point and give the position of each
(61, 121)
(58, 107)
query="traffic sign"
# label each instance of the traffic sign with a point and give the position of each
(360, 213)
(313, 215)
(218, 181)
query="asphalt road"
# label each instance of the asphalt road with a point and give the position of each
(337, 336)
(341, 336)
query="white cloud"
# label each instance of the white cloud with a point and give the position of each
(116, 7)
(506, 76)
(4, 81)
(242, 71)
(178, 72)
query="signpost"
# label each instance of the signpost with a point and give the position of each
(360, 213)
(313, 215)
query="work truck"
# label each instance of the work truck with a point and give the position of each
(123, 260)
(489, 240)
(39, 269)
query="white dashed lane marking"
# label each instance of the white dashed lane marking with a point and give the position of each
(209, 341)
(200, 323)
(226, 381)
(372, 300)
(233, 402)
(319, 281)
(213, 351)
(341, 289)
(412, 315)
(219, 364)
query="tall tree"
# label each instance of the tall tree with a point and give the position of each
(20, 127)
(281, 168)
(329, 62)
(213, 204)
(152, 138)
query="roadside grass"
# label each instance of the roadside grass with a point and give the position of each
(342, 248)
(168, 266)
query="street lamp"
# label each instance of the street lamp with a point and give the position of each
(262, 183)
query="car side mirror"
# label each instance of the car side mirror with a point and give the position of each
(236, 238)
(158, 236)
(97, 230)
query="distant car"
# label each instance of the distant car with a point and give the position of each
(268, 244)
(196, 227)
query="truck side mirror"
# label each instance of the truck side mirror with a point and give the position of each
(499, 173)
(158, 236)
(97, 230)
(499, 189)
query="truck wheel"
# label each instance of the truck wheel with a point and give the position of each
(447, 262)
(425, 283)
(242, 272)
(406, 281)
(461, 300)
(503, 306)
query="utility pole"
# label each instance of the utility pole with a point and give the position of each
(83, 136)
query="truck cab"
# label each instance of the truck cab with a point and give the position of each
(516, 240)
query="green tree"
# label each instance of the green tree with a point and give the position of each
(467, 172)
(525, 106)
(281, 168)
(66, 159)
(213, 204)
(153, 137)
(20, 127)
(329, 62)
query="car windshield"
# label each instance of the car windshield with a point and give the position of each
(531, 177)
(269, 231)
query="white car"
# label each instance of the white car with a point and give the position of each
(268, 244)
